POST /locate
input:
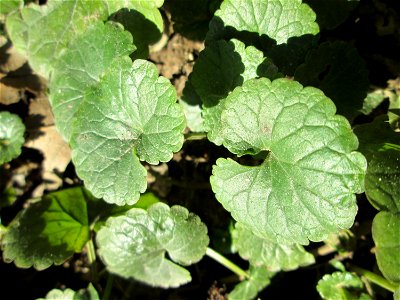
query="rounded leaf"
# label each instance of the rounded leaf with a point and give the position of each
(48, 231)
(305, 188)
(11, 136)
(221, 67)
(81, 66)
(134, 245)
(333, 286)
(131, 114)
(278, 19)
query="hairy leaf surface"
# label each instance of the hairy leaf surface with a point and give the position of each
(134, 245)
(272, 256)
(41, 33)
(130, 115)
(11, 136)
(249, 288)
(221, 67)
(48, 231)
(81, 66)
(381, 146)
(277, 19)
(84, 294)
(386, 235)
(333, 286)
(305, 188)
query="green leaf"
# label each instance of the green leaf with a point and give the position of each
(273, 256)
(81, 66)
(305, 188)
(144, 31)
(396, 295)
(143, 20)
(277, 19)
(11, 136)
(377, 97)
(372, 101)
(134, 245)
(334, 286)
(191, 18)
(8, 196)
(8, 6)
(249, 288)
(48, 231)
(331, 13)
(383, 174)
(100, 211)
(84, 294)
(337, 69)
(41, 33)
(131, 114)
(147, 8)
(386, 235)
(220, 68)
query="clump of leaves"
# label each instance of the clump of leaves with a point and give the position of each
(118, 114)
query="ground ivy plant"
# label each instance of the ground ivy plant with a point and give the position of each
(263, 87)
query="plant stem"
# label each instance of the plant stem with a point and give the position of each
(374, 278)
(109, 285)
(192, 136)
(91, 255)
(226, 263)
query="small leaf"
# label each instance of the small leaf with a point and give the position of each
(249, 288)
(81, 66)
(11, 136)
(383, 174)
(48, 231)
(372, 101)
(338, 70)
(333, 286)
(221, 67)
(273, 256)
(84, 294)
(131, 114)
(305, 187)
(386, 235)
(277, 19)
(134, 245)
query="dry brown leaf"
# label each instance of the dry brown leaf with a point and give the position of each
(57, 156)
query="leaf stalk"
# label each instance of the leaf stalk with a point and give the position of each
(226, 263)
(374, 278)
(194, 136)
